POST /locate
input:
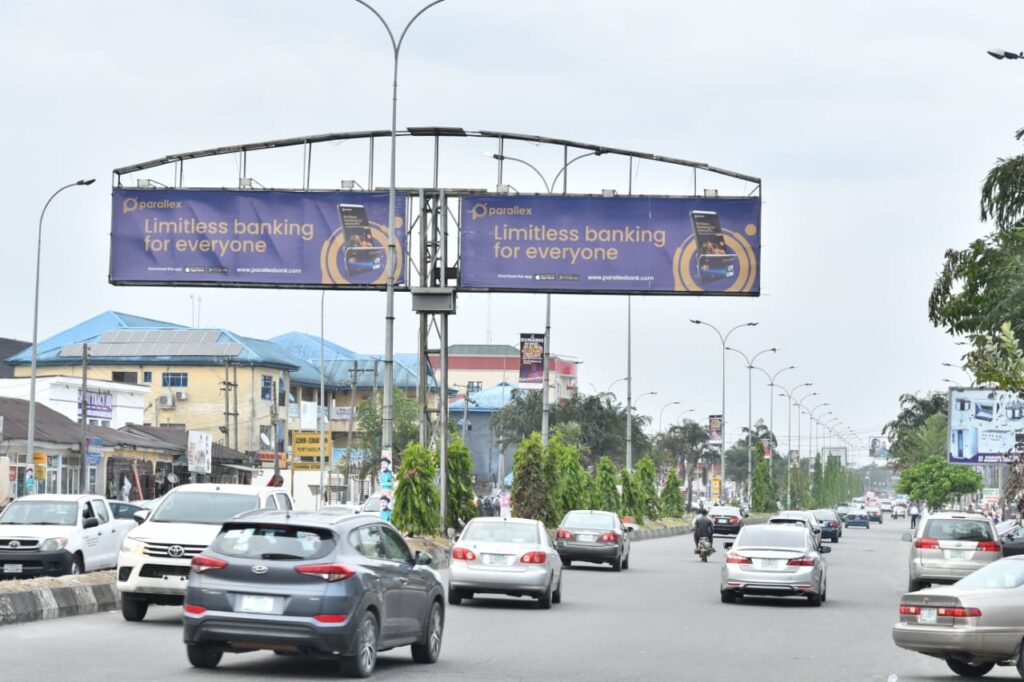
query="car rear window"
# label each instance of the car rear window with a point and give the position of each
(1004, 574)
(269, 542)
(590, 521)
(205, 507)
(752, 536)
(825, 515)
(502, 532)
(967, 530)
(724, 511)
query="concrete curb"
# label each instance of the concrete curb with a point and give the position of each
(63, 597)
(654, 533)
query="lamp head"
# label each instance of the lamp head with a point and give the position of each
(751, 324)
(86, 182)
(696, 321)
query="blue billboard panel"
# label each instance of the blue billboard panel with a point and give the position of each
(627, 245)
(194, 237)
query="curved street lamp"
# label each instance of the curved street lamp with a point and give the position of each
(750, 404)
(661, 415)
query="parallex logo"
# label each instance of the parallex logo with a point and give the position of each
(482, 210)
(134, 204)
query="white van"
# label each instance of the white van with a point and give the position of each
(155, 558)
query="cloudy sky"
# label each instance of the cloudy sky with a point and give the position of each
(870, 123)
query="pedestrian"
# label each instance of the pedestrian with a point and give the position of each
(915, 512)
(487, 507)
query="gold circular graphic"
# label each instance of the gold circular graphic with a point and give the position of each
(682, 264)
(750, 229)
(330, 252)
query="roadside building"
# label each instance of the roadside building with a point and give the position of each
(109, 403)
(474, 366)
(491, 462)
(9, 347)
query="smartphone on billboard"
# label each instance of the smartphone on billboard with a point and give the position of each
(714, 262)
(360, 253)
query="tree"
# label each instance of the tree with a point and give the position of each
(405, 425)
(914, 412)
(529, 487)
(687, 441)
(416, 508)
(832, 482)
(930, 438)
(818, 484)
(762, 492)
(574, 489)
(606, 497)
(800, 489)
(518, 419)
(460, 484)
(671, 500)
(632, 503)
(936, 481)
(997, 359)
(646, 484)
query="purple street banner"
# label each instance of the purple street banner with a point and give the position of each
(588, 244)
(715, 429)
(531, 360)
(254, 238)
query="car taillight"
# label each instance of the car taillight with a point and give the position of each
(989, 546)
(737, 559)
(833, 524)
(463, 554)
(610, 536)
(910, 610)
(734, 519)
(533, 558)
(926, 543)
(563, 534)
(330, 572)
(959, 612)
(330, 618)
(194, 610)
(801, 561)
(202, 563)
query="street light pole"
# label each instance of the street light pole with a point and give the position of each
(810, 426)
(789, 431)
(724, 339)
(750, 407)
(661, 415)
(31, 440)
(389, 319)
(771, 408)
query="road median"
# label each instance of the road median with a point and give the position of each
(24, 601)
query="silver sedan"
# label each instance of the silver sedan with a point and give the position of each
(514, 557)
(973, 624)
(777, 561)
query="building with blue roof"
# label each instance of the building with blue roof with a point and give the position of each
(490, 463)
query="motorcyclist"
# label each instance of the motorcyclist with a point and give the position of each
(703, 527)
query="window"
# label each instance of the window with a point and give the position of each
(512, 531)
(396, 548)
(273, 542)
(267, 388)
(125, 377)
(147, 377)
(282, 501)
(174, 380)
(474, 386)
(368, 542)
(270, 502)
(101, 512)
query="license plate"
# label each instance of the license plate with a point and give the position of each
(12, 568)
(927, 616)
(256, 603)
(958, 554)
(769, 564)
(497, 559)
(586, 537)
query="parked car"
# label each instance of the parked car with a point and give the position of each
(593, 536)
(312, 583)
(775, 560)
(515, 557)
(58, 534)
(973, 624)
(874, 513)
(948, 546)
(794, 516)
(123, 510)
(727, 520)
(154, 563)
(831, 527)
(857, 517)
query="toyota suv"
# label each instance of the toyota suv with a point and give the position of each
(950, 545)
(155, 558)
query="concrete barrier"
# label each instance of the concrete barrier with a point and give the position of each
(47, 598)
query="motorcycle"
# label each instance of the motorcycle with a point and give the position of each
(705, 549)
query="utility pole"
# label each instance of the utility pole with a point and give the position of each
(226, 384)
(234, 387)
(83, 473)
(353, 384)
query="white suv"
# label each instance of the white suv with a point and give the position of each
(156, 557)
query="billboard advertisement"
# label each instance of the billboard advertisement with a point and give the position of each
(878, 447)
(715, 429)
(200, 452)
(250, 238)
(983, 425)
(531, 360)
(625, 245)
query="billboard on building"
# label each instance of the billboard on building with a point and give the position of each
(839, 452)
(624, 245)
(715, 429)
(531, 360)
(253, 238)
(984, 425)
(200, 452)
(878, 447)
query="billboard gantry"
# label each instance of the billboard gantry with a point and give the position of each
(253, 238)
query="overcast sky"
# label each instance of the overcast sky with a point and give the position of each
(871, 124)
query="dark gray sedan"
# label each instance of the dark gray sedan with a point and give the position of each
(593, 536)
(313, 584)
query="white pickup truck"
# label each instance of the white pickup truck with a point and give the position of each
(59, 534)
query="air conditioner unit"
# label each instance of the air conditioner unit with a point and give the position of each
(165, 402)
(181, 395)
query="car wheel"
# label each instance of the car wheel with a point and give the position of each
(365, 658)
(1020, 660)
(556, 598)
(454, 596)
(728, 596)
(429, 649)
(965, 669)
(814, 599)
(915, 585)
(132, 609)
(544, 602)
(625, 563)
(567, 562)
(77, 565)
(203, 655)
(617, 564)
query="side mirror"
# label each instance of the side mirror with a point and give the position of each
(746, 515)
(907, 537)
(141, 515)
(423, 559)
(629, 529)
(90, 523)
(727, 545)
(825, 550)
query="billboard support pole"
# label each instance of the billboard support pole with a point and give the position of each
(629, 383)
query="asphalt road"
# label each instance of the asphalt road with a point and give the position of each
(660, 620)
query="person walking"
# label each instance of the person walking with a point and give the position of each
(915, 513)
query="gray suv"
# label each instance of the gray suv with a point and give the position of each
(950, 545)
(312, 584)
